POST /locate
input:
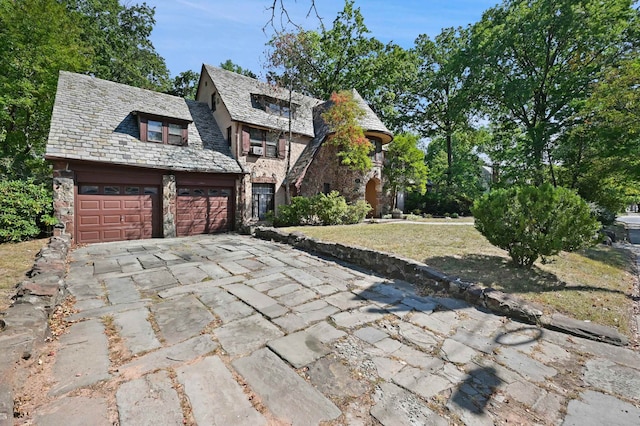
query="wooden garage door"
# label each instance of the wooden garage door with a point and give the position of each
(203, 210)
(116, 213)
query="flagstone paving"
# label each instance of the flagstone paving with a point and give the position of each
(227, 329)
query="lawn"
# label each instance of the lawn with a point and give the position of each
(16, 259)
(594, 284)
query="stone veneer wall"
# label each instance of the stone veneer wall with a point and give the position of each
(393, 266)
(169, 206)
(63, 204)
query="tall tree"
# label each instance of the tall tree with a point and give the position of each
(404, 167)
(441, 101)
(185, 84)
(120, 37)
(537, 59)
(33, 48)
(343, 57)
(229, 65)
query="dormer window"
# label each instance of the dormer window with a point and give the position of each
(273, 106)
(164, 130)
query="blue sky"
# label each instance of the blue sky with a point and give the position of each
(190, 32)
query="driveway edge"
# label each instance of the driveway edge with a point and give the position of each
(393, 266)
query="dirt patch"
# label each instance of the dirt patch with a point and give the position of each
(16, 259)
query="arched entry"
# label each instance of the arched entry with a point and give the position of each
(371, 196)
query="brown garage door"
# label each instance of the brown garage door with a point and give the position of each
(203, 210)
(116, 213)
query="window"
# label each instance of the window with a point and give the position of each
(376, 153)
(263, 143)
(326, 189)
(263, 199)
(214, 101)
(229, 135)
(163, 130)
(279, 107)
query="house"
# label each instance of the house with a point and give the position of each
(129, 163)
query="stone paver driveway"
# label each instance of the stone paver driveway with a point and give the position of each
(227, 329)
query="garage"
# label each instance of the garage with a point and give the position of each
(115, 212)
(203, 210)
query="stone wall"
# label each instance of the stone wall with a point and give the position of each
(169, 206)
(63, 196)
(417, 273)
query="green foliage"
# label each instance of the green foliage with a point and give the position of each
(25, 207)
(530, 222)
(535, 62)
(342, 117)
(319, 63)
(404, 167)
(185, 85)
(229, 65)
(321, 209)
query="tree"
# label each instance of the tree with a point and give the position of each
(530, 222)
(230, 66)
(32, 51)
(537, 60)
(185, 85)
(342, 117)
(441, 101)
(119, 36)
(343, 57)
(404, 166)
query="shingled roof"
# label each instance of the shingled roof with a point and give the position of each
(235, 92)
(94, 120)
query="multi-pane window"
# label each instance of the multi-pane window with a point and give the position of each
(376, 153)
(263, 143)
(279, 107)
(263, 195)
(164, 131)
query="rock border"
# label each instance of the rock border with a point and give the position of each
(392, 266)
(24, 326)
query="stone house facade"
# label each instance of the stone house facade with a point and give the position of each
(130, 163)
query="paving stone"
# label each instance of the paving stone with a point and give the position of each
(107, 310)
(215, 397)
(213, 270)
(269, 261)
(83, 358)
(315, 311)
(85, 291)
(466, 407)
(201, 287)
(421, 304)
(606, 375)
(234, 268)
(150, 261)
(261, 302)
(155, 280)
(245, 335)
(418, 336)
(129, 265)
(167, 256)
(284, 289)
(150, 400)
(395, 406)
(457, 352)
(417, 358)
(596, 409)
(549, 353)
(524, 338)
(331, 377)
(524, 392)
(87, 304)
(330, 273)
(325, 289)
(189, 273)
(370, 334)
(297, 297)
(299, 349)
(382, 295)
(226, 306)
(250, 264)
(303, 278)
(172, 355)
(136, 331)
(104, 266)
(325, 332)
(528, 367)
(181, 318)
(74, 411)
(356, 318)
(442, 322)
(121, 290)
(345, 300)
(388, 345)
(421, 382)
(387, 367)
(275, 383)
(291, 322)
(476, 341)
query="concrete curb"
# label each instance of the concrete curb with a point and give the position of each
(24, 326)
(393, 266)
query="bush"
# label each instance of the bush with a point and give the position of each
(331, 209)
(530, 222)
(25, 210)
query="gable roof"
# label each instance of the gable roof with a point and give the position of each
(94, 120)
(235, 91)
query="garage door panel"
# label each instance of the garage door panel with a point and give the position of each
(110, 219)
(111, 204)
(203, 214)
(89, 205)
(89, 220)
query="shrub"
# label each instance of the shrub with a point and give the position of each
(25, 209)
(530, 222)
(321, 209)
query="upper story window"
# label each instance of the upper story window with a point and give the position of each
(262, 143)
(274, 106)
(376, 154)
(169, 131)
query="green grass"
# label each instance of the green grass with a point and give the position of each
(594, 284)
(16, 259)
